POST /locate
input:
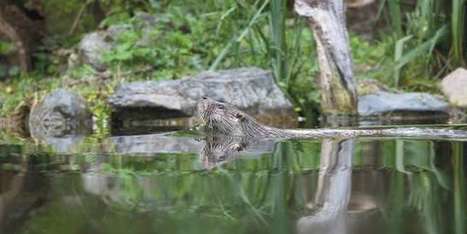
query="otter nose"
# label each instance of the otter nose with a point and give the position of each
(204, 97)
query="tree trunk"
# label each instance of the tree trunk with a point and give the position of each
(326, 19)
(25, 32)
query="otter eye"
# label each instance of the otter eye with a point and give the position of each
(220, 106)
(239, 116)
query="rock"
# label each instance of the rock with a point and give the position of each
(405, 105)
(251, 89)
(454, 86)
(60, 119)
(92, 47)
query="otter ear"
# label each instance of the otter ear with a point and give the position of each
(242, 146)
(240, 116)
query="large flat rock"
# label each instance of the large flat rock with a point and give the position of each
(403, 105)
(454, 86)
(251, 89)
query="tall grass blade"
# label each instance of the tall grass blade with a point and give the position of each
(238, 38)
(458, 187)
(279, 46)
(422, 49)
(396, 16)
(399, 50)
(457, 30)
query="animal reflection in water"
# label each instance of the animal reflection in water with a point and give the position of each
(220, 149)
(332, 208)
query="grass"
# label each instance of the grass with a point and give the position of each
(458, 25)
(428, 40)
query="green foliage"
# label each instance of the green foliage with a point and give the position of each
(214, 35)
(6, 47)
(62, 15)
(458, 24)
(395, 15)
(167, 54)
(175, 46)
(422, 48)
(188, 36)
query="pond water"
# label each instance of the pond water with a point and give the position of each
(195, 184)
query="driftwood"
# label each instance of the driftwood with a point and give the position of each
(326, 19)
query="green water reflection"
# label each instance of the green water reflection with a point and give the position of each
(386, 186)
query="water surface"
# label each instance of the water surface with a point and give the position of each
(192, 184)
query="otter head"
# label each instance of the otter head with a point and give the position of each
(221, 117)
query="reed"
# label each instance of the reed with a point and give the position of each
(458, 25)
(430, 34)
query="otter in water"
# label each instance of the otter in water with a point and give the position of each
(225, 118)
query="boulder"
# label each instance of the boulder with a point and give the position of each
(454, 86)
(251, 89)
(92, 47)
(404, 105)
(60, 119)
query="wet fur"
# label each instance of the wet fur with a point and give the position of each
(225, 118)
(220, 117)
